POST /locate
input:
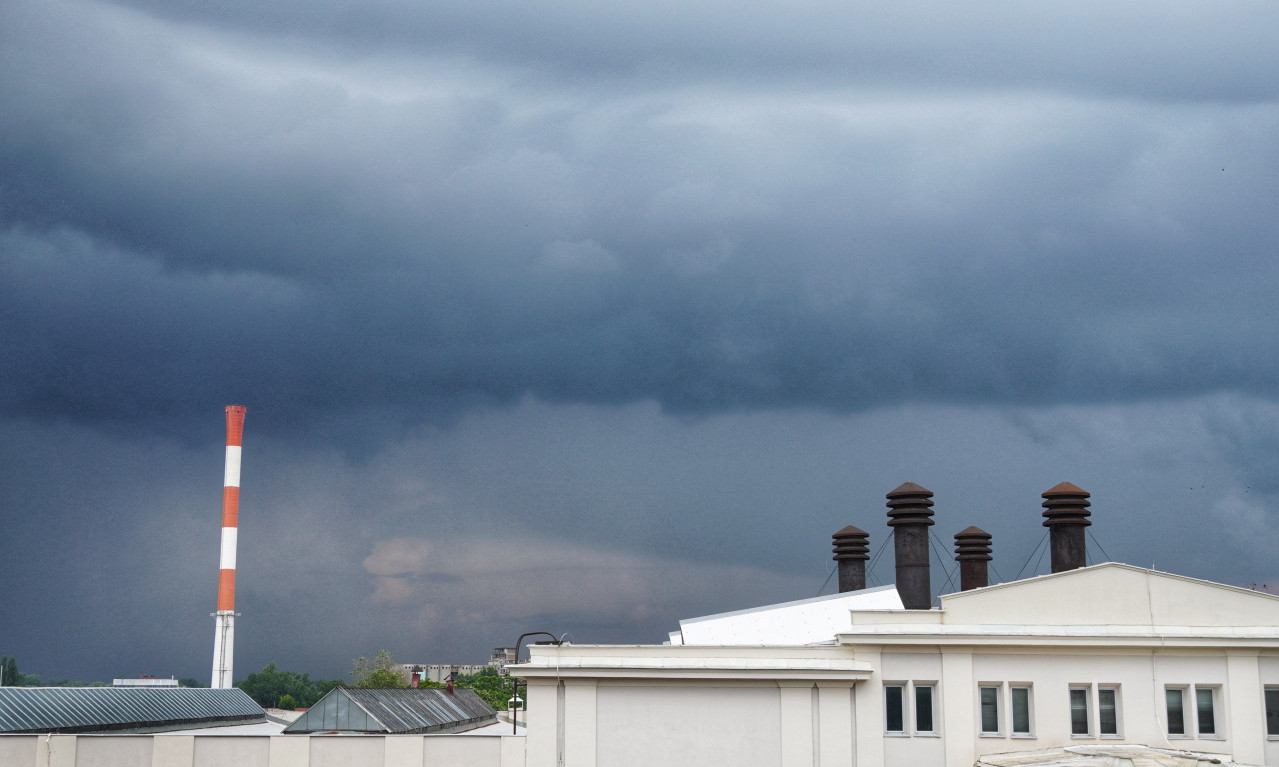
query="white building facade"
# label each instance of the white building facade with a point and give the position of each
(1103, 655)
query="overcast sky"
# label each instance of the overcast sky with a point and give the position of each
(588, 319)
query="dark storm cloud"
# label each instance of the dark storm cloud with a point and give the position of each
(198, 218)
(978, 247)
(1169, 50)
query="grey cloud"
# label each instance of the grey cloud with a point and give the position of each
(683, 284)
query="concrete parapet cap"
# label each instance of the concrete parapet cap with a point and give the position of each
(897, 617)
(1072, 635)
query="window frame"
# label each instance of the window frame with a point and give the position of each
(901, 709)
(1084, 693)
(1191, 719)
(1272, 712)
(1213, 706)
(1180, 690)
(1117, 703)
(1013, 689)
(916, 688)
(997, 689)
(909, 708)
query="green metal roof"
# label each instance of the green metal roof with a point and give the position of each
(115, 709)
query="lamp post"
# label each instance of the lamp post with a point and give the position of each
(515, 681)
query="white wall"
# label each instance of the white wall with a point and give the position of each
(261, 751)
(643, 725)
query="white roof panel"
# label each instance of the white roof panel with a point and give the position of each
(804, 622)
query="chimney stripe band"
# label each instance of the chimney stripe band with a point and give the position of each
(232, 478)
(230, 507)
(228, 548)
(226, 590)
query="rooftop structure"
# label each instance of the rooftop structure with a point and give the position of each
(121, 709)
(394, 711)
(1107, 664)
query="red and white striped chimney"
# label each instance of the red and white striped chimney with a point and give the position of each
(224, 628)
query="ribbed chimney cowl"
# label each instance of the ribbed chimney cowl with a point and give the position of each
(851, 552)
(910, 514)
(1066, 515)
(972, 552)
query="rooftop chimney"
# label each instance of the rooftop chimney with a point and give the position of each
(1066, 515)
(850, 553)
(972, 552)
(910, 514)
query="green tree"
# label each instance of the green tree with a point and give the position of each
(187, 681)
(270, 685)
(380, 671)
(287, 703)
(383, 677)
(9, 676)
(492, 688)
(323, 686)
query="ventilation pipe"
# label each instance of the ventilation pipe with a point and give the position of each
(910, 514)
(972, 552)
(851, 553)
(1066, 515)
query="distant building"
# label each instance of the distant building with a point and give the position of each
(501, 657)
(439, 672)
(145, 681)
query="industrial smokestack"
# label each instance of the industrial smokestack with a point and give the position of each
(1066, 516)
(224, 626)
(850, 553)
(972, 552)
(910, 514)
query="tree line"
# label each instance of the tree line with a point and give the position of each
(276, 688)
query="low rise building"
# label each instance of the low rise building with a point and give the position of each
(1088, 657)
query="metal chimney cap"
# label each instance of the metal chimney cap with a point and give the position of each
(849, 531)
(909, 488)
(1065, 488)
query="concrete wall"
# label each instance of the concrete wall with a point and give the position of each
(261, 751)
(693, 723)
(608, 721)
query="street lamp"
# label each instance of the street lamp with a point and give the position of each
(515, 681)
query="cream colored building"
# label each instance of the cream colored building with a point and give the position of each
(1103, 655)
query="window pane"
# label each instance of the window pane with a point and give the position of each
(1176, 717)
(1078, 712)
(1107, 717)
(894, 720)
(1207, 723)
(1272, 712)
(923, 708)
(990, 709)
(1021, 710)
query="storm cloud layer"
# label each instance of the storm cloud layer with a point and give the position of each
(648, 295)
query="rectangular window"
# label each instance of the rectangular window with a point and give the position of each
(989, 709)
(1272, 711)
(1021, 710)
(1079, 711)
(894, 708)
(923, 708)
(1203, 706)
(1107, 711)
(1176, 711)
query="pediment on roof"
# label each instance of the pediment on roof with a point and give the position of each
(1111, 594)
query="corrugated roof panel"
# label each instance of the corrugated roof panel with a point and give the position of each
(394, 711)
(91, 709)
